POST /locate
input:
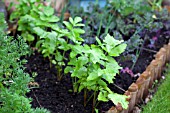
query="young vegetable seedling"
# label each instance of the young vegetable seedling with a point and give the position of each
(93, 68)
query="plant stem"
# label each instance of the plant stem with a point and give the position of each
(137, 56)
(36, 98)
(138, 51)
(98, 32)
(148, 50)
(97, 104)
(59, 75)
(94, 101)
(85, 97)
(74, 85)
(119, 87)
(89, 98)
(108, 25)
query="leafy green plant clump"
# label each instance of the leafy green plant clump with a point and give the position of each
(13, 80)
(93, 68)
(130, 20)
(33, 13)
(39, 23)
(57, 43)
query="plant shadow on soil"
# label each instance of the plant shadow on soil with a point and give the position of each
(55, 95)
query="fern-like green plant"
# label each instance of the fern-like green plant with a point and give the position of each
(3, 24)
(13, 80)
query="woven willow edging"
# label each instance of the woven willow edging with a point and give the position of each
(138, 91)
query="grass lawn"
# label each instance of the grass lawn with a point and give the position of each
(160, 103)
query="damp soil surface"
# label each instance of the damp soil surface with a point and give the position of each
(57, 97)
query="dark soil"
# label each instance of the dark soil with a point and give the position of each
(56, 96)
(52, 94)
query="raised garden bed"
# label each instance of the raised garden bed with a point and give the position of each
(57, 93)
(139, 90)
(159, 103)
(54, 92)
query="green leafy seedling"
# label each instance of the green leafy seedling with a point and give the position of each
(93, 68)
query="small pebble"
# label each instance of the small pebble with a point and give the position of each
(150, 96)
(147, 100)
(163, 77)
(137, 75)
(136, 110)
